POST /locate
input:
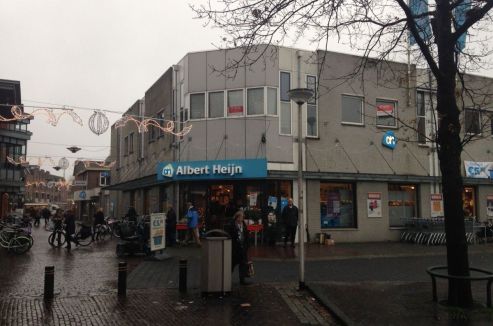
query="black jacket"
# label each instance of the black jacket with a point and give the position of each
(171, 218)
(238, 246)
(290, 216)
(69, 223)
(98, 218)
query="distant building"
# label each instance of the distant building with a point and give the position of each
(43, 187)
(13, 142)
(89, 177)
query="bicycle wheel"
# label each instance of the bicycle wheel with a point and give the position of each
(83, 241)
(57, 239)
(20, 245)
(116, 227)
(103, 234)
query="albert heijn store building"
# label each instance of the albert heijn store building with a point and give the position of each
(242, 148)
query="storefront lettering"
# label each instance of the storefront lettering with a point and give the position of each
(229, 169)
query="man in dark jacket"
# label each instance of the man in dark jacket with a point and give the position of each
(239, 246)
(171, 227)
(70, 228)
(289, 217)
(45, 212)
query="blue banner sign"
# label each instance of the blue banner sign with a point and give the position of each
(389, 140)
(212, 170)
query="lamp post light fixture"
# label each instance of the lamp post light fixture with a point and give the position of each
(74, 149)
(300, 96)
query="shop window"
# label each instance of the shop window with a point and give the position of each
(337, 205)
(311, 109)
(469, 202)
(386, 113)
(402, 203)
(352, 109)
(421, 117)
(216, 105)
(197, 106)
(235, 103)
(271, 101)
(472, 122)
(255, 101)
(285, 113)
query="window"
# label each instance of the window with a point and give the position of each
(160, 117)
(337, 205)
(271, 100)
(386, 113)
(125, 144)
(235, 103)
(402, 203)
(469, 202)
(131, 143)
(197, 106)
(352, 109)
(472, 121)
(255, 101)
(104, 178)
(421, 117)
(311, 108)
(216, 105)
(285, 113)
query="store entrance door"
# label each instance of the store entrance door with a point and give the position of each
(221, 206)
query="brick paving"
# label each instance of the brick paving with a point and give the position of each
(269, 305)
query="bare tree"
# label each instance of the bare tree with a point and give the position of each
(379, 29)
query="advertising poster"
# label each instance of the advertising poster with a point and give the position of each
(253, 199)
(374, 204)
(436, 205)
(158, 222)
(489, 205)
(272, 202)
(331, 212)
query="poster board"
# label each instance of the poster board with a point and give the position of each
(157, 232)
(489, 205)
(436, 201)
(374, 204)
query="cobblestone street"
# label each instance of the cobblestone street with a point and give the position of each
(85, 283)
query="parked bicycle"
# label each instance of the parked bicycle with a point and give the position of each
(102, 232)
(58, 237)
(83, 237)
(15, 238)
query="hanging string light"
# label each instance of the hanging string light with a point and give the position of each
(143, 126)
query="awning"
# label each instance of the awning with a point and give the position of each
(144, 182)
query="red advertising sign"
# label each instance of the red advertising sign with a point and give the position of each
(235, 109)
(385, 109)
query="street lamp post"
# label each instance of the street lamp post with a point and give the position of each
(300, 96)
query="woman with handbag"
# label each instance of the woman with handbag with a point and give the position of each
(239, 243)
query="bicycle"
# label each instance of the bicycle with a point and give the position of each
(59, 235)
(102, 232)
(15, 239)
(83, 237)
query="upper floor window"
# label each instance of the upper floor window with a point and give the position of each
(216, 104)
(421, 117)
(197, 106)
(160, 119)
(352, 109)
(235, 103)
(255, 101)
(125, 146)
(131, 143)
(311, 108)
(285, 113)
(472, 121)
(104, 178)
(386, 113)
(272, 100)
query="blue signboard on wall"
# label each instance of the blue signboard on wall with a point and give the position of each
(212, 170)
(389, 140)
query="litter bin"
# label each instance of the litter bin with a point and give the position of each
(216, 262)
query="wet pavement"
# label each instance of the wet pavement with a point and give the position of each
(83, 270)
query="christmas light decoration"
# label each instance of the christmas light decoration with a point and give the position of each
(98, 123)
(143, 126)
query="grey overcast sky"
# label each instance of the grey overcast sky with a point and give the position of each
(100, 54)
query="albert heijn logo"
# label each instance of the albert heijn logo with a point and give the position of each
(389, 139)
(168, 171)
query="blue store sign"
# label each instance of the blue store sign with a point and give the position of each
(212, 170)
(82, 194)
(389, 140)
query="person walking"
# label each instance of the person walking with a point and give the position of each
(239, 246)
(45, 212)
(131, 214)
(193, 224)
(289, 218)
(70, 228)
(98, 220)
(171, 227)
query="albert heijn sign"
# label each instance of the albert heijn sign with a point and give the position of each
(212, 170)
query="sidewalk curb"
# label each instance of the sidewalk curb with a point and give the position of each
(329, 305)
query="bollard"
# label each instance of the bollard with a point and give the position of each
(183, 275)
(122, 279)
(49, 282)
